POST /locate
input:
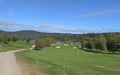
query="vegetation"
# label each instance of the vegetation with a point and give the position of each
(12, 42)
(43, 42)
(15, 46)
(69, 61)
(101, 42)
(4, 38)
(27, 68)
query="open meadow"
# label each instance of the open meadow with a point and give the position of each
(68, 60)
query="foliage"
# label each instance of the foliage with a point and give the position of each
(28, 40)
(113, 42)
(4, 38)
(43, 42)
(102, 42)
(40, 43)
(93, 41)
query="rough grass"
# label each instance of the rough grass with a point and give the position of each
(14, 46)
(28, 68)
(70, 61)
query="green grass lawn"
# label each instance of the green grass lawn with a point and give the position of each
(69, 61)
(14, 46)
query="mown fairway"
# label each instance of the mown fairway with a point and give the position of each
(70, 61)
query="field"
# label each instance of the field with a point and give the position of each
(14, 46)
(72, 61)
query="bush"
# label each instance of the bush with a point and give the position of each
(39, 44)
(43, 42)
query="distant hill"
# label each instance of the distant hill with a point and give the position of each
(32, 34)
(35, 34)
(1, 31)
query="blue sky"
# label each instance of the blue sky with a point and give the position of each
(61, 16)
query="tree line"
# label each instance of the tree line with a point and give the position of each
(101, 42)
(5, 38)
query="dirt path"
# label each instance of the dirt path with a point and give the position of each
(8, 65)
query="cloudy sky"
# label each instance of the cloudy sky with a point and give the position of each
(61, 16)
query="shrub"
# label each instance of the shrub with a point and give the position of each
(39, 44)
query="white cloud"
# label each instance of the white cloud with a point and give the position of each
(101, 12)
(10, 13)
(14, 26)
(42, 27)
(50, 26)
(47, 27)
(63, 29)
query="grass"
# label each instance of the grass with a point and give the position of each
(70, 61)
(28, 68)
(14, 46)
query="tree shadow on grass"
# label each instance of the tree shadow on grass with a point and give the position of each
(93, 51)
(101, 52)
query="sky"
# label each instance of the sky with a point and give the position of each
(60, 16)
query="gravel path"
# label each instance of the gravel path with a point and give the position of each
(8, 65)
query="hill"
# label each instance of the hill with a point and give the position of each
(35, 34)
(32, 34)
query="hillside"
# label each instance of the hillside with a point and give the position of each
(35, 34)
(32, 34)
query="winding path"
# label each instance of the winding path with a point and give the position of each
(8, 65)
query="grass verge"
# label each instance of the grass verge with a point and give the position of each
(27, 68)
